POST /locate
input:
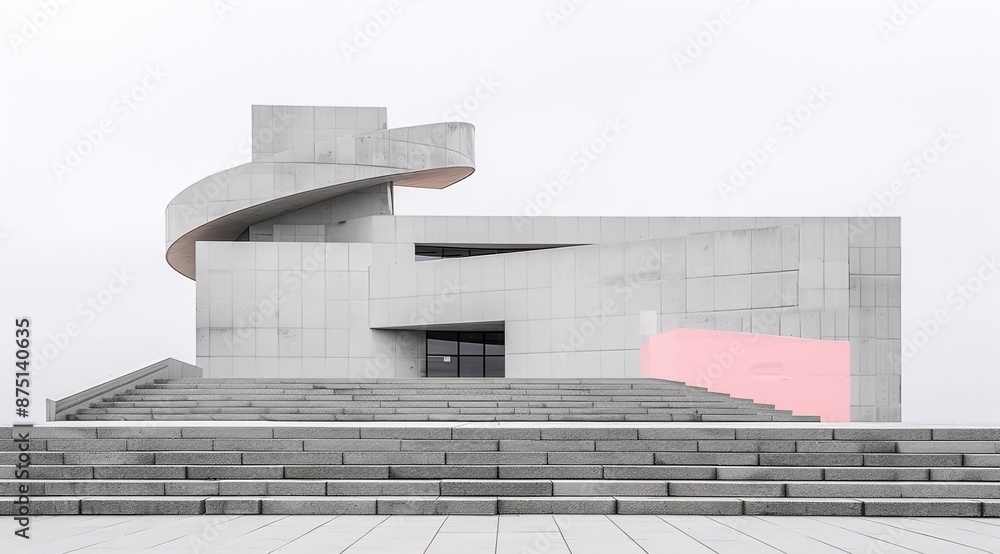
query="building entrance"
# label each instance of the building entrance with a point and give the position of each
(465, 354)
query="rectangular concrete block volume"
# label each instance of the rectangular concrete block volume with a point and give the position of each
(396, 275)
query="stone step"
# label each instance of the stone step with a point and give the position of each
(455, 468)
(459, 403)
(431, 385)
(424, 417)
(973, 468)
(437, 382)
(367, 407)
(427, 400)
(658, 452)
(808, 439)
(268, 465)
(375, 390)
(213, 481)
(777, 447)
(490, 505)
(277, 396)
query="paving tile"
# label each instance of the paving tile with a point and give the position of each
(449, 543)
(470, 524)
(900, 536)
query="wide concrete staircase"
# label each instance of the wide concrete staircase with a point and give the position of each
(502, 446)
(508, 468)
(427, 400)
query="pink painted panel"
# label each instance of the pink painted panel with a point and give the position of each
(807, 376)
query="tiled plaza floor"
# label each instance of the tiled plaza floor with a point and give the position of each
(508, 534)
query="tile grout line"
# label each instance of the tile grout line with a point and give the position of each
(791, 530)
(373, 527)
(870, 520)
(751, 537)
(932, 523)
(613, 522)
(679, 530)
(304, 534)
(443, 521)
(860, 534)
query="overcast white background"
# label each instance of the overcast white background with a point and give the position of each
(895, 82)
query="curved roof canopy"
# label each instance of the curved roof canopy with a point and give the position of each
(335, 161)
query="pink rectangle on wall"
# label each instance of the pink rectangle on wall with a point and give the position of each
(806, 376)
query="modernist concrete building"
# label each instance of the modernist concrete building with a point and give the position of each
(302, 270)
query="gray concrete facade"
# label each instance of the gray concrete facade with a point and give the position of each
(319, 279)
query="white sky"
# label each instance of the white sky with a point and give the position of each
(892, 91)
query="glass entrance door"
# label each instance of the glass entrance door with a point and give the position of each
(465, 354)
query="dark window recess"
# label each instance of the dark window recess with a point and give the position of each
(464, 354)
(426, 252)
